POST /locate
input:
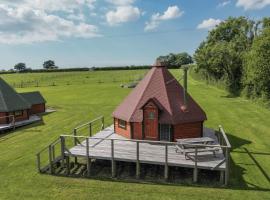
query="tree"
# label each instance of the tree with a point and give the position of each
(221, 55)
(49, 64)
(176, 60)
(20, 67)
(257, 66)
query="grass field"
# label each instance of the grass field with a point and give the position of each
(81, 96)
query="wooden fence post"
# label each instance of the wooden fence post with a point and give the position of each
(138, 160)
(88, 158)
(112, 155)
(195, 171)
(166, 167)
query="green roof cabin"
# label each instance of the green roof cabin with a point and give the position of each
(18, 106)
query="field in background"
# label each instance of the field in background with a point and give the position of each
(81, 96)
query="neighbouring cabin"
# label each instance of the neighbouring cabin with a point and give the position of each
(159, 108)
(36, 100)
(18, 106)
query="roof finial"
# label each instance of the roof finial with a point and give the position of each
(159, 63)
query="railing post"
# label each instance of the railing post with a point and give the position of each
(195, 171)
(90, 129)
(102, 121)
(38, 162)
(227, 169)
(50, 159)
(13, 122)
(88, 158)
(53, 152)
(138, 160)
(75, 143)
(166, 167)
(112, 155)
(62, 138)
(75, 134)
(68, 165)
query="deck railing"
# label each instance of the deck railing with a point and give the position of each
(12, 117)
(225, 146)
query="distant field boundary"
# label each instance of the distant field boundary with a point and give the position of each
(78, 69)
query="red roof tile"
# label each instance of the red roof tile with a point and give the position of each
(159, 84)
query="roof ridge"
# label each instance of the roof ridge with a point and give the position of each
(165, 85)
(145, 88)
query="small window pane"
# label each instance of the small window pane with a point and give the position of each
(151, 115)
(122, 124)
(18, 113)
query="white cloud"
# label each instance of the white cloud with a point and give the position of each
(224, 3)
(209, 23)
(52, 5)
(121, 2)
(172, 12)
(122, 14)
(252, 4)
(24, 24)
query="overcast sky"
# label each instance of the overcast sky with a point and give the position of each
(85, 33)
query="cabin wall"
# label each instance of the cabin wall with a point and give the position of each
(137, 130)
(188, 130)
(3, 118)
(121, 131)
(37, 108)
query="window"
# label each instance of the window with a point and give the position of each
(122, 124)
(151, 115)
(18, 113)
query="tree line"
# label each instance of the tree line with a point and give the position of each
(21, 67)
(237, 52)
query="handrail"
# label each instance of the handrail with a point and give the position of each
(85, 124)
(51, 144)
(144, 141)
(228, 144)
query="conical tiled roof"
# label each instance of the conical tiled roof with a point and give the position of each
(10, 100)
(160, 86)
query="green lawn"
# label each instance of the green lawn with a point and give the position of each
(81, 96)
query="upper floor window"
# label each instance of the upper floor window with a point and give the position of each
(151, 115)
(122, 124)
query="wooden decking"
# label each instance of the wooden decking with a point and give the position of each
(32, 119)
(100, 147)
(107, 146)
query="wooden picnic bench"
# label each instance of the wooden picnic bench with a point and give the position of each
(185, 147)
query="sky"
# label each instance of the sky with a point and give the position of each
(86, 33)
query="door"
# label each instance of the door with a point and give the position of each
(165, 132)
(151, 123)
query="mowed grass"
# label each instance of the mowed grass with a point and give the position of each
(90, 94)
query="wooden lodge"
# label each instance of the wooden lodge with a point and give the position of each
(159, 108)
(17, 107)
(158, 124)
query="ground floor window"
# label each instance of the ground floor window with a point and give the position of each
(122, 124)
(165, 133)
(18, 113)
